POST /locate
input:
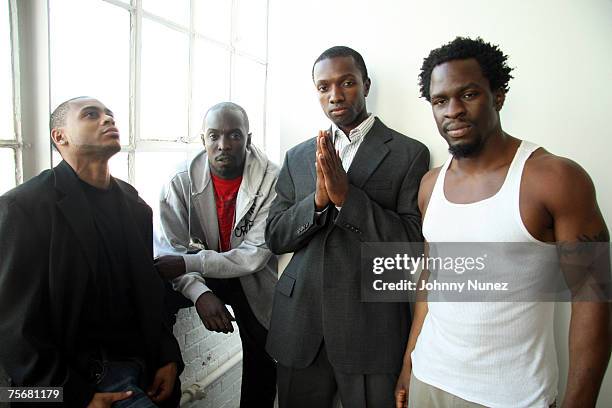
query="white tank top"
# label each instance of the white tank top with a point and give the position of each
(497, 354)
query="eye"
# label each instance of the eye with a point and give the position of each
(348, 83)
(438, 102)
(92, 114)
(470, 95)
(322, 88)
(213, 136)
(236, 135)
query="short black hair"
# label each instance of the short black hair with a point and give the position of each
(491, 59)
(229, 106)
(343, 51)
(58, 116)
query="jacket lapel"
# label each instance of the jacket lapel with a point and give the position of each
(371, 153)
(75, 208)
(148, 291)
(311, 155)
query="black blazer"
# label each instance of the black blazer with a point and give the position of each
(318, 297)
(48, 248)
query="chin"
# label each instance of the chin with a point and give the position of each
(465, 149)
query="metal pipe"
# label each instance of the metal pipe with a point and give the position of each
(197, 390)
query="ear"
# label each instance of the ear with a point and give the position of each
(248, 143)
(58, 136)
(500, 98)
(366, 86)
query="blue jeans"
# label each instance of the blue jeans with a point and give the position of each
(125, 376)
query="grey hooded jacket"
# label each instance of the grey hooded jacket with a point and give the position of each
(188, 226)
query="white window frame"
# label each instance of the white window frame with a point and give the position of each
(137, 13)
(16, 143)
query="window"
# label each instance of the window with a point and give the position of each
(159, 68)
(10, 146)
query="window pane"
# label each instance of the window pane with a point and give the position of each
(88, 57)
(153, 170)
(250, 34)
(212, 18)
(176, 10)
(6, 78)
(119, 166)
(248, 91)
(7, 170)
(210, 81)
(165, 59)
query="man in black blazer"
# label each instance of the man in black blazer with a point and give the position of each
(81, 305)
(353, 184)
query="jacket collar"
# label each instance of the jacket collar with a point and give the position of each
(75, 208)
(254, 167)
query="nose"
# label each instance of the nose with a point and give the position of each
(336, 95)
(108, 119)
(454, 108)
(224, 143)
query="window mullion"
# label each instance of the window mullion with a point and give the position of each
(135, 57)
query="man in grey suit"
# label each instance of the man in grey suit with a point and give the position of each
(355, 183)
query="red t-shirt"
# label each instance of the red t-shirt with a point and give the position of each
(226, 192)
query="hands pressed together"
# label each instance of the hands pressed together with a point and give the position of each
(332, 181)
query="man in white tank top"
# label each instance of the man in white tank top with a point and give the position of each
(498, 354)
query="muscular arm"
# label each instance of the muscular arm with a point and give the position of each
(579, 220)
(420, 306)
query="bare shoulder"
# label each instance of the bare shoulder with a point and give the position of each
(426, 188)
(558, 181)
(556, 174)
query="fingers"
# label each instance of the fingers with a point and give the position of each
(400, 399)
(164, 392)
(111, 397)
(154, 389)
(226, 320)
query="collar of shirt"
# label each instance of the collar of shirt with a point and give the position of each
(355, 135)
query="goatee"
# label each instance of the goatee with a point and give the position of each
(463, 150)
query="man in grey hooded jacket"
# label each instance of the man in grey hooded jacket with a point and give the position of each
(212, 222)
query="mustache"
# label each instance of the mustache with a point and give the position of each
(455, 125)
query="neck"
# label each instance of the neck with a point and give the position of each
(347, 129)
(228, 175)
(91, 171)
(498, 148)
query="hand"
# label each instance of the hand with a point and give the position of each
(214, 314)
(402, 388)
(170, 266)
(336, 180)
(106, 399)
(163, 383)
(321, 197)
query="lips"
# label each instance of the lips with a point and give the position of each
(458, 130)
(338, 111)
(113, 131)
(224, 158)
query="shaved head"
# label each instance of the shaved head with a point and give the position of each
(228, 106)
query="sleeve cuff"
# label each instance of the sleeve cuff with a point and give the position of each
(190, 286)
(195, 290)
(193, 262)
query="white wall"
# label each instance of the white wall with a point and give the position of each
(559, 98)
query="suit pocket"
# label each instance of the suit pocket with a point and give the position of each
(285, 285)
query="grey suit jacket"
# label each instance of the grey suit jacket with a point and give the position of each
(318, 297)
